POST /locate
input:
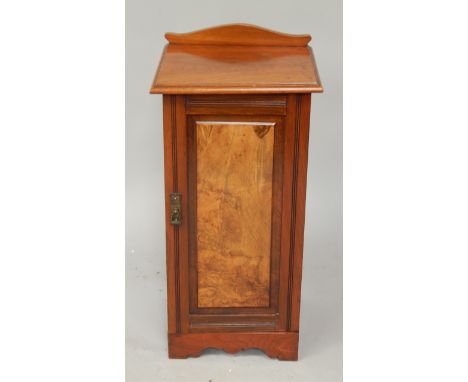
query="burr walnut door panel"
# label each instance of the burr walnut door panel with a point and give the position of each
(235, 171)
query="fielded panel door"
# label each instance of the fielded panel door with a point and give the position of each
(229, 183)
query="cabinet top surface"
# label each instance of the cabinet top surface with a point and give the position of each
(236, 58)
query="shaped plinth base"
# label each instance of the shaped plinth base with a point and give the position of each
(281, 345)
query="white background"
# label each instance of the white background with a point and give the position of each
(62, 193)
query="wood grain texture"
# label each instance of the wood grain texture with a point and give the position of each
(236, 104)
(283, 346)
(182, 187)
(234, 322)
(234, 199)
(299, 204)
(238, 34)
(205, 69)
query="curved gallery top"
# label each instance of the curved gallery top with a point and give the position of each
(236, 59)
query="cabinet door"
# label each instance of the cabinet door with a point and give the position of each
(230, 159)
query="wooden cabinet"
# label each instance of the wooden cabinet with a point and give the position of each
(236, 103)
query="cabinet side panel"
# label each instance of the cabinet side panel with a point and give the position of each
(297, 245)
(286, 210)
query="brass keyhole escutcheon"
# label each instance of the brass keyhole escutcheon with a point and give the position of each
(176, 215)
